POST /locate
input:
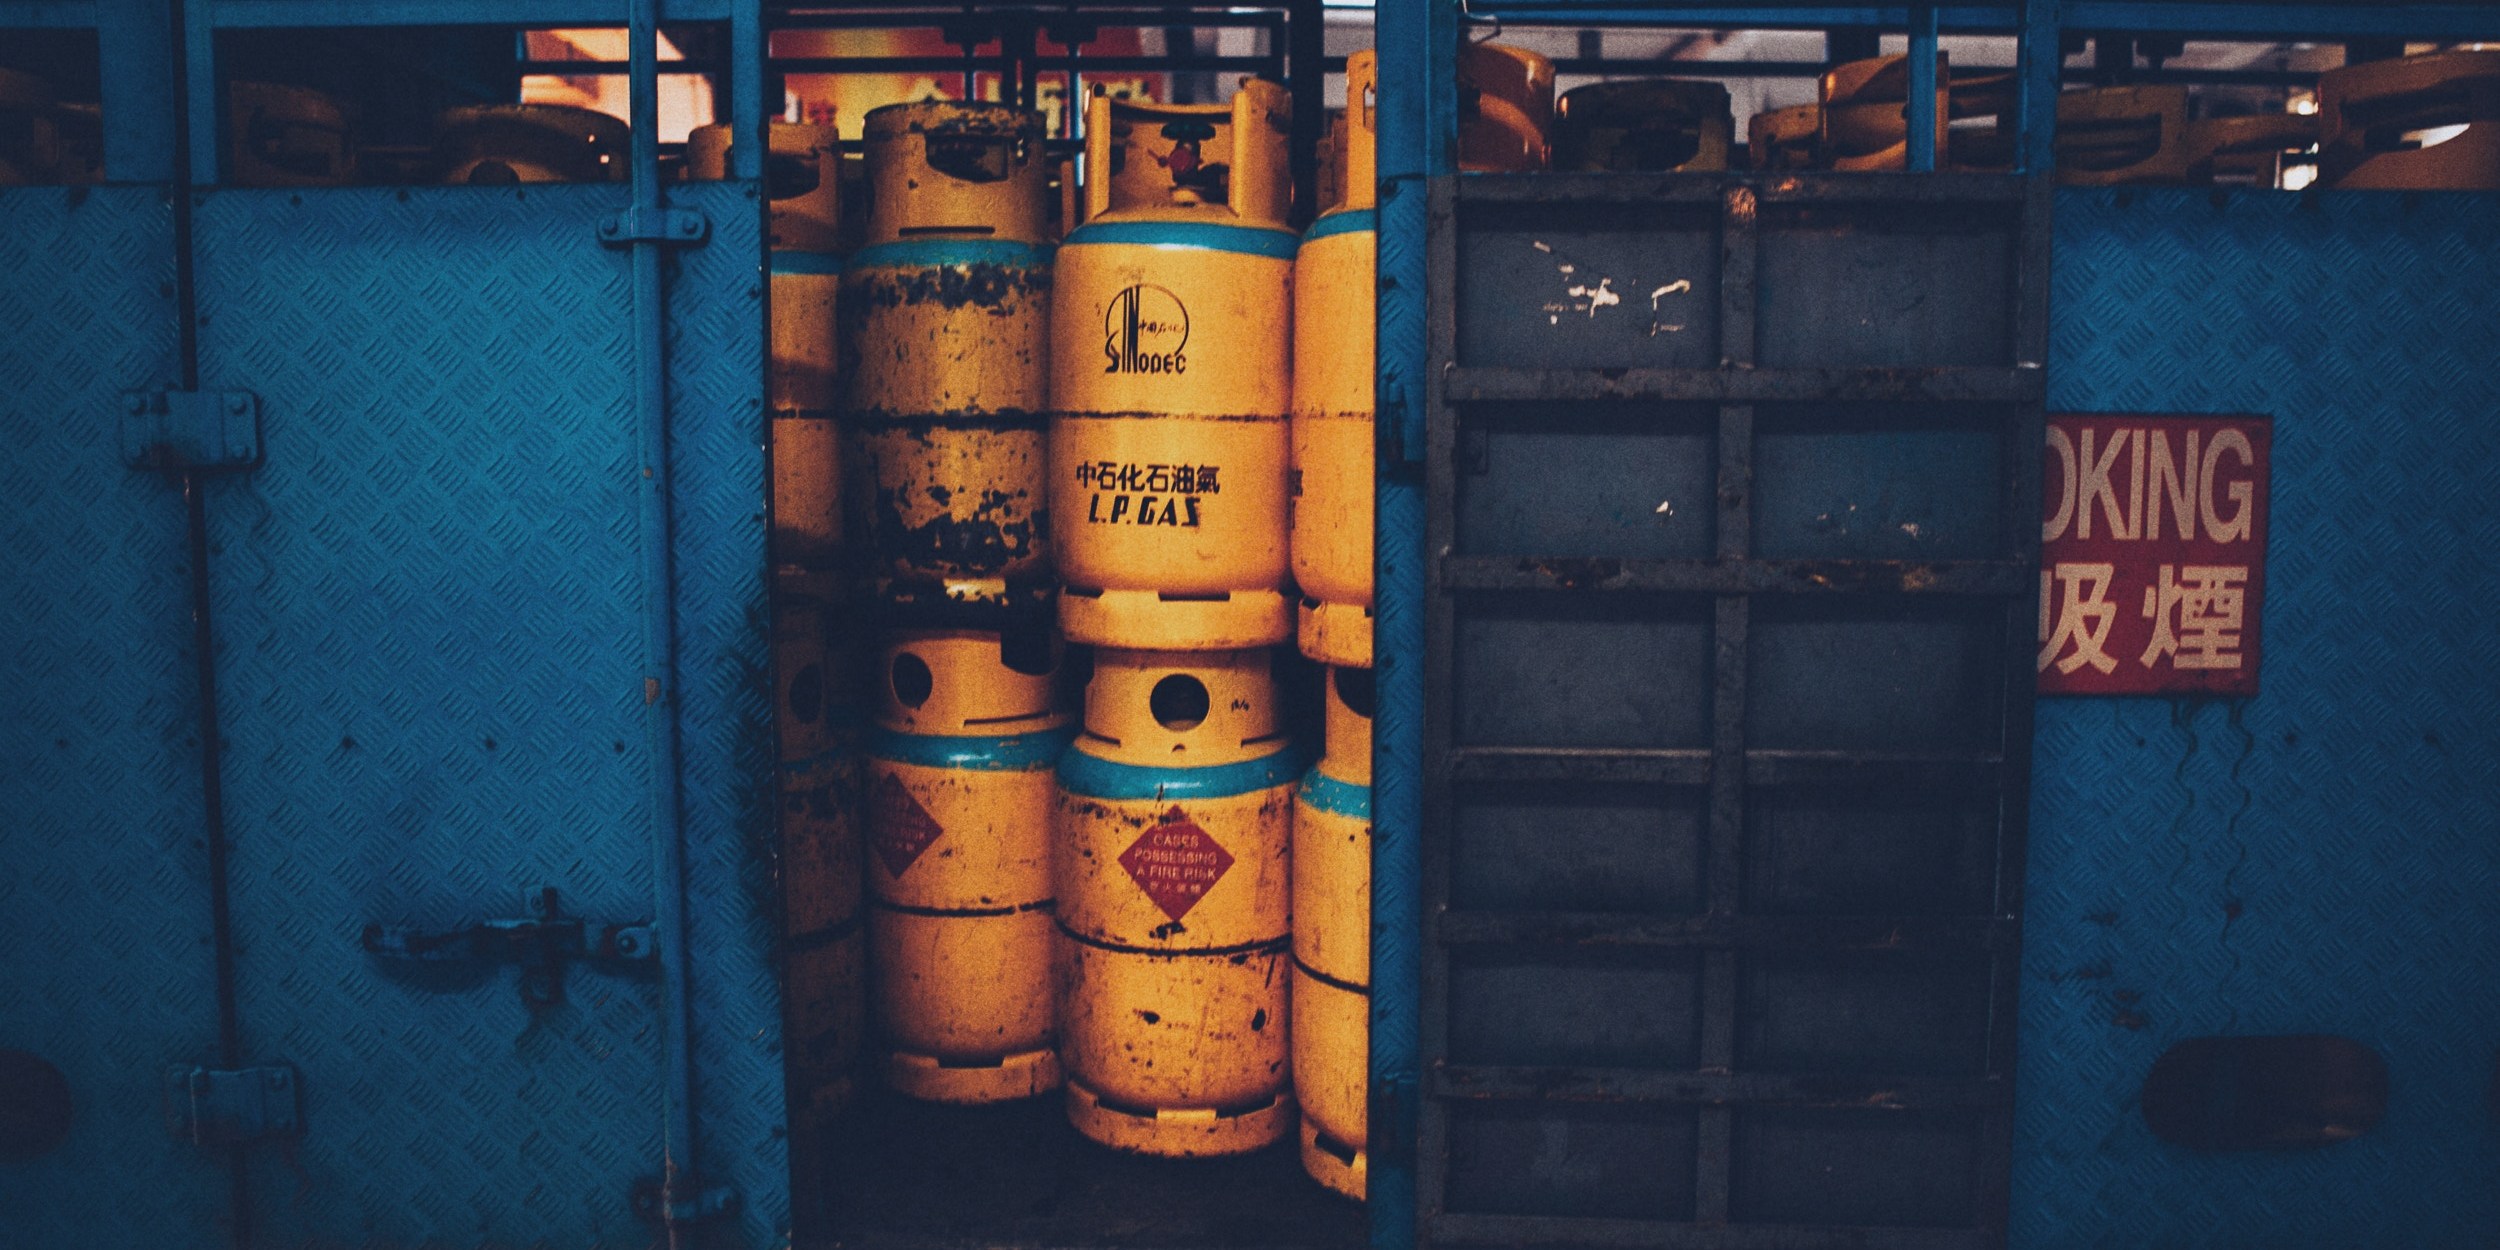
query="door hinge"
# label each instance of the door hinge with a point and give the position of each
(170, 431)
(688, 1202)
(231, 1106)
(542, 943)
(675, 227)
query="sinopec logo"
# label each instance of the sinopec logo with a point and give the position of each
(1144, 331)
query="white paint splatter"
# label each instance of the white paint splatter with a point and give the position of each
(1600, 296)
(1666, 507)
(1676, 287)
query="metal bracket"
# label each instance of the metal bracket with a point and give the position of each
(230, 1106)
(689, 1202)
(672, 227)
(170, 431)
(542, 944)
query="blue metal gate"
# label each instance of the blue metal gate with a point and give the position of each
(471, 699)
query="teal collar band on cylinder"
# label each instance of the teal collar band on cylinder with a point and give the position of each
(1339, 798)
(1015, 753)
(1248, 240)
(1344, 221)
(1097, 778)
(932, 253)
(825, 264)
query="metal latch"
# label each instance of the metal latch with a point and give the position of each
(685, 1203)
(542, 944)
(680, 227)
(230, 1106)
(174, 430)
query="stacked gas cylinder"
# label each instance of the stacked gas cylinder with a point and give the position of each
(1170, 395)
(1104, 441)
(944, 332)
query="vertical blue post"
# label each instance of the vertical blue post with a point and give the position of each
(680, 1182)
(1418, 47)
(200, 106)
(1922, 104)
(749, 144)
(134, 45)
(2038, 57)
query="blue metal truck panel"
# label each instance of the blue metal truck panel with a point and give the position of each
(2320, 858)
(105, 970)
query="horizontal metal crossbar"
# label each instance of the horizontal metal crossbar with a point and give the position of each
(1905, 577)
(1620, 929)
(1932, 385)
(1691, 767)
(1530, 1230)
(1769, 187)
(1640, 1085)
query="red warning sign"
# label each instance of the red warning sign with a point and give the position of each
(2153, 554)
(1176, 863)
(898, 826)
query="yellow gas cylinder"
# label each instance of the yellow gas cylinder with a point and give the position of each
(946, 326)
(1643, 126)
(2248, 150)
(2374, 117)
(1331, 480)
(1505, 108)
(502, 144)
(959, 817)
(1067, 199)
(1172, 858)
(1789, 138)
(1170, 378)
(1866, 122)
(816, 717)
(1332, 939)
(2122, 136)
(803, 178)
(282, 136)
(1331, 160)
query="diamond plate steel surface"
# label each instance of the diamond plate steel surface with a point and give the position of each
(2319, 858)
(104, 928)
(428, 637)
(716, 393)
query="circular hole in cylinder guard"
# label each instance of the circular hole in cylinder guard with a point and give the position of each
(912, 680)
(1354, 686)
(1178, 702)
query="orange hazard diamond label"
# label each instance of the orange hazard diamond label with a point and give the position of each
(1176, 863)
(898, 826)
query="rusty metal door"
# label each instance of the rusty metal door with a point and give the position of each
(1732, 488)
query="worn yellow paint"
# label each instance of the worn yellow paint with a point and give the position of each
(1172, 352)
(1332, 435)
(1332, 950)
(960, 936)
(939, 169)
(1174, 1029)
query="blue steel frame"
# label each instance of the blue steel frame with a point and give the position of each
(162, 128)
(1417, 42)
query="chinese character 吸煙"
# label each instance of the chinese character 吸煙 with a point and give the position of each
(2196, 614)
(2078, 615)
